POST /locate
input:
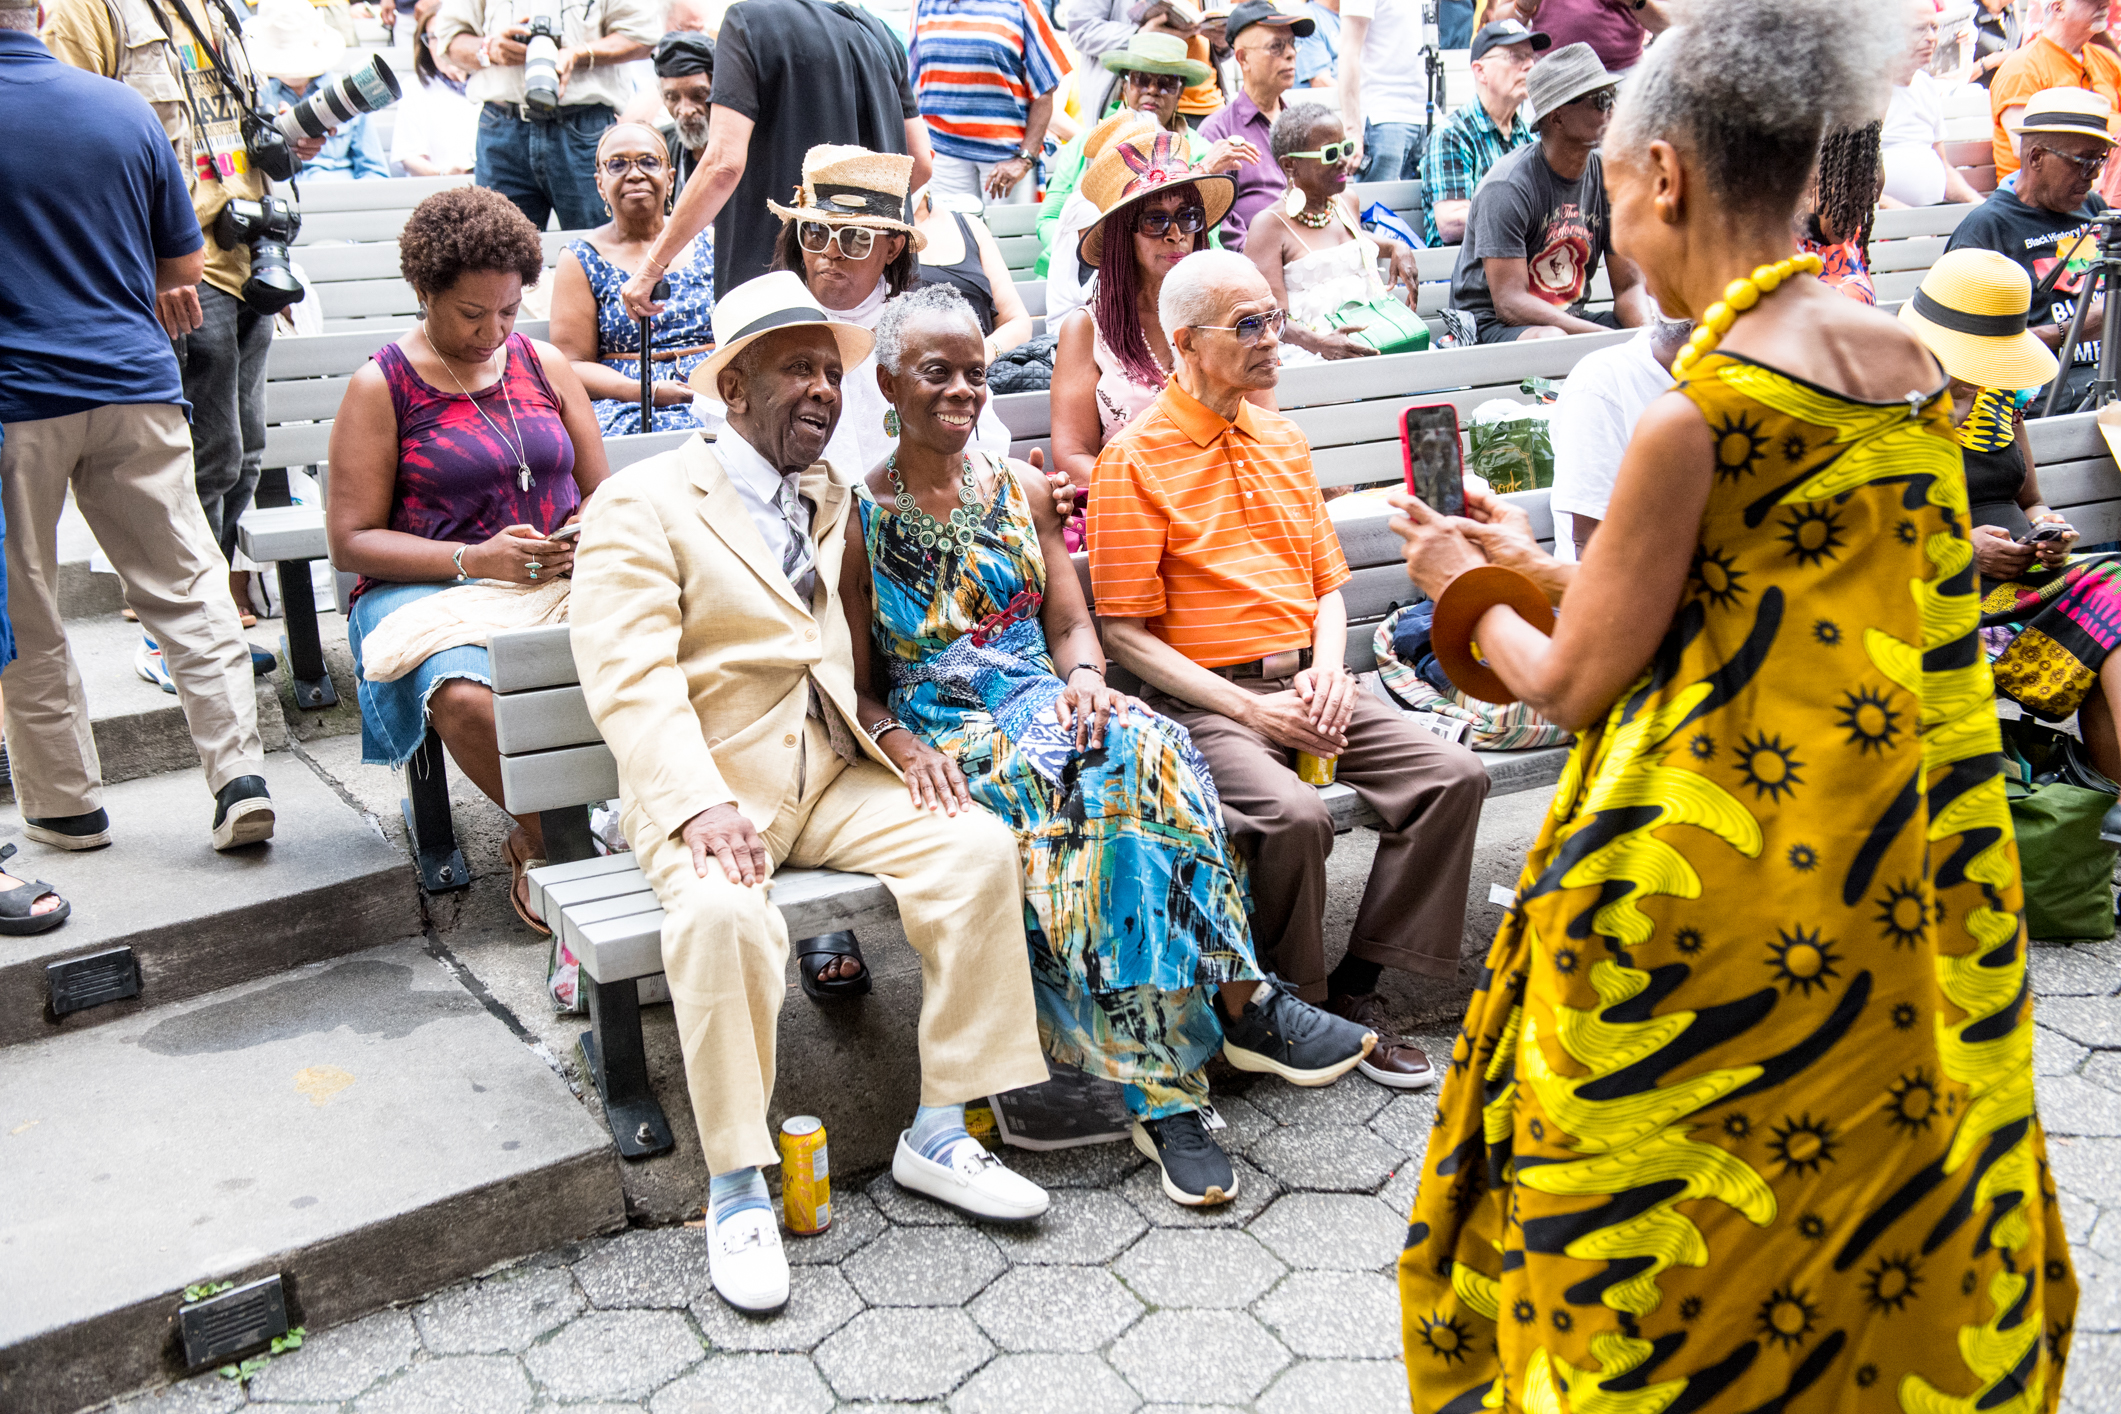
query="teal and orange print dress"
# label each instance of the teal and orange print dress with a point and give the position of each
(1134, 906)
(1741, 1117)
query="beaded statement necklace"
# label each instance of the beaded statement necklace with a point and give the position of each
(1319, 222)
(963, 525)
(1738, 297)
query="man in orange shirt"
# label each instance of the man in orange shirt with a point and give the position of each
(2069, 52)
(1217, 575)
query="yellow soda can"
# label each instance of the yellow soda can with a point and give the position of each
(806, 1176)
(1315, 770)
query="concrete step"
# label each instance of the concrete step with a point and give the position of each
(329, 883)
(140, 729)
(364, 1127)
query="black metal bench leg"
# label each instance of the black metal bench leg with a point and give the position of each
(567, 835)
(304, 649)
(427, 822)
(616, 1058)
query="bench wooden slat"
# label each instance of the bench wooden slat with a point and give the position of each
(340, 355)
(2079, 483)
(1907, 221)
(374, 194)
(367, 299)
(1917, 253)
(2070, 437)
(554, 780)
(539, 721)
(269, 534)
(1019, 218)
(530, 658)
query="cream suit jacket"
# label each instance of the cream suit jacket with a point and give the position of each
(694, 651)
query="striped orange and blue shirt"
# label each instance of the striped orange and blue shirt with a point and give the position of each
(976, 66)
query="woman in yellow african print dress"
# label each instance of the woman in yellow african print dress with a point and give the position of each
(1741, 1117)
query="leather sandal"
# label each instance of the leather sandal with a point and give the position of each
(519, 887)
(817, 952)
(17, 920)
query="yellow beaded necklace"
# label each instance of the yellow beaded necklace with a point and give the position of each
(1738, 297)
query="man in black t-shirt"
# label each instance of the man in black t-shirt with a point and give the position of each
(788, 76)
(1539, 226)
(2048, 222)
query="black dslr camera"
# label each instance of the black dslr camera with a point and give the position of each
(266, 226)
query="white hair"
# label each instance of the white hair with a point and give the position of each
(922, 299)
(1197, 290)
(1748, 87)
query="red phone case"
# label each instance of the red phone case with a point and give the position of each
(1407, 416)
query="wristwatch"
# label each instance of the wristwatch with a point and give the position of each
(1030, 156)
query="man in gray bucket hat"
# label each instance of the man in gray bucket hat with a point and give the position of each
(1539, 226)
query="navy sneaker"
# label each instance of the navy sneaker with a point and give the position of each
(90, 830)
(1196, 1171)
(243, 813)
(1280, 1035)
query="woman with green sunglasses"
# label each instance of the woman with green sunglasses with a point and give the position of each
(1312, 248)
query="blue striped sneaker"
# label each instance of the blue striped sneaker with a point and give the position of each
(148, 664)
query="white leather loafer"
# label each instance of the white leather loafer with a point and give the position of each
(745, 1261)
(974, 1182)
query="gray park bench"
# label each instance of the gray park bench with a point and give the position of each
(554, 762)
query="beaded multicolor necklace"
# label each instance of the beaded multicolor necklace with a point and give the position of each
(1738, 297)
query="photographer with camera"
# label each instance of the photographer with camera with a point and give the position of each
(549, 77)
(293, 46)
(100, 230)
(186, 58)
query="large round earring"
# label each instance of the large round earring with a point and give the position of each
(891, 423)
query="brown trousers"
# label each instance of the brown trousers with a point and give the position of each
(1428, 793)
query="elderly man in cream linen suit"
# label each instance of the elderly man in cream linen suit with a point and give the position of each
(714, 654)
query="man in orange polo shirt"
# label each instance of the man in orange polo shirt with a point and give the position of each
(2069, 52)
(1217, 575)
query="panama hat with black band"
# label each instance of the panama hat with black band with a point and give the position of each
(1264, 12)
(754, 309)
(2067, 110)
(1970, 311)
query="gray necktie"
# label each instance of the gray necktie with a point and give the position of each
(799, 560)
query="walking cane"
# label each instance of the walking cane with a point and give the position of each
(661, 292)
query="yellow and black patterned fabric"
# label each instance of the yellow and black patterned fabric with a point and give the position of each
(1741, 1117)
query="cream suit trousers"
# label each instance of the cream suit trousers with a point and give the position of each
(725, 947)
(130, 467)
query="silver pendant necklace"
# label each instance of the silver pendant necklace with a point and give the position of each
(959, 530)
(522, 457)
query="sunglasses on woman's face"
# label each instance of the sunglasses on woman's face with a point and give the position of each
(1190, 220)
(650, 165)
(1332, 154)
(854, 242)
(1155, 83)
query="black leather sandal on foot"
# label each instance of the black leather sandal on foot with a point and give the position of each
(16, 919)
(814, 954)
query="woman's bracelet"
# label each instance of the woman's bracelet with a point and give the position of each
(2048, 518)
(462, 574)
(1079, 667)
(883, 726)
(661, 268)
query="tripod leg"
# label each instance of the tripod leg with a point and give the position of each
(2068, 352)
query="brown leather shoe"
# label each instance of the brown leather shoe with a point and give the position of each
(1395, 1063)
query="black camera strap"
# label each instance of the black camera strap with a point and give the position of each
(245, 93)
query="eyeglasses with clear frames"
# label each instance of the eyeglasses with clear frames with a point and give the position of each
(649, 164)
(1253, 327)
(854, 242)
(1276, 48)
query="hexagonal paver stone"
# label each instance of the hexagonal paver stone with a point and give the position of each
(1083, 1226)
(657, 1268)
(602, 1406)
(855, 1224)
(1329, 1158)
(2070, 1104)
(911, 1209)
(2055, 1054)
(819, 1303)
(1081, 1384)
(339, 1363)
(203, 1394)
(1190, 1409)
(1215, 1268)
(902, 1354)
(2068, 972)
(614, 1355)
(755, 1384)
(2086, 1168)
(1332, 1231)
(1084, 1166)
(1406, 1122)
(1244, 1123)
(924, 1267)
(1343, 1315)
(1350, 1100)
(504, 1312)
(2089, 1021)
(1063, 1309)
(1145, 1190)
(1399, 1194)
(1337, 1384)
(1223, 1356)
(461, 1384)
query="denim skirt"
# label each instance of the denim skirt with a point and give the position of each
(394, 714)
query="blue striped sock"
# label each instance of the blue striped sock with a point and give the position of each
(736, 1191)
(935, 1129)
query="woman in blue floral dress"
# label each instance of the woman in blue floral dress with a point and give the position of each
(589, 324)
(982, 678)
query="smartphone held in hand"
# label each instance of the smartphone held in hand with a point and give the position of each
(1435, 461)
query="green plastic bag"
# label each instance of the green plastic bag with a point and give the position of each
(1511, 446)
(2068, 871)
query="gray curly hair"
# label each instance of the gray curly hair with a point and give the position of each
(1292, 130)
(1748, 87)
(922, 299)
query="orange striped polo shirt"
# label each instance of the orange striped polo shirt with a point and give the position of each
(1212, 531)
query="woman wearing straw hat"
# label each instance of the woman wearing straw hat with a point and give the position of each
(1112, 356)
(848, 239)
(2046, 618)
(1742, 1115)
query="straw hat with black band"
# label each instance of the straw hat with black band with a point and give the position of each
(777, 300)
(2067, 110)
(1970, 311)
(852, 186)
(1137, 167)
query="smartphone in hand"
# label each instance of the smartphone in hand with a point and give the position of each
(1435, 464)
(566, 532)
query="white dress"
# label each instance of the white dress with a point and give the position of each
(1321, 281)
